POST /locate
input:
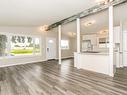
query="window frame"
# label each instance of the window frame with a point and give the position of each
(9, 35)
(68, 47)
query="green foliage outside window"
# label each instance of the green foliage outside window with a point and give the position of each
(3, 40)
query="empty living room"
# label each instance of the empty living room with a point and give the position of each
(63, 47)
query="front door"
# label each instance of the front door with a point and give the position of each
(51, 48)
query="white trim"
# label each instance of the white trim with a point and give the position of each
(9, 45)
(59, 38)
(68, 48)
(7, 65)
(78, 35)
(18, 34)
(21, 56)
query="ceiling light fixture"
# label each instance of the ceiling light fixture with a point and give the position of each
(89, 23)
(103, 32)
(72, 34)
(44, 28)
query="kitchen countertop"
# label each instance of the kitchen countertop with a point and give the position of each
(100, 53)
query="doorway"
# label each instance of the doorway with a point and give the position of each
(50, 48)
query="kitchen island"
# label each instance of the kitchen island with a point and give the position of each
(96, 62)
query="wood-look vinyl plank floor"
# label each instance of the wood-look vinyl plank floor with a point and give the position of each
(49, 78)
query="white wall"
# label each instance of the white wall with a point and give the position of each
(72, 43)
(69, 52)
(23, 59)
(36, 32)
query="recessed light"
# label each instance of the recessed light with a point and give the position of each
(72, 34)
(89, 23)
(103, 32)
(50, 41)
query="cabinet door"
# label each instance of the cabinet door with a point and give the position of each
(92, 38)
(125, 58)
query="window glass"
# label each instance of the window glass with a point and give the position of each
(64, 44)
(37, 45)
(21, 45)
(17, 45)
(103, 43)
(3, 45)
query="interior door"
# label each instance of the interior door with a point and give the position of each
(125, 48)
(51, 48)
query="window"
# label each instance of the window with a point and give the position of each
(103, 43)
(19, 45)
(37, 45)
(3, 45)
(64, 44)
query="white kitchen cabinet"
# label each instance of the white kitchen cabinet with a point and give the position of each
(125, 48)
(117, 34)
(92, 38)
(101, 62)
(125, 41)
(125, 59)
(117, 59)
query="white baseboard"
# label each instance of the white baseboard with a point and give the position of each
(23, 63)
(30, 62)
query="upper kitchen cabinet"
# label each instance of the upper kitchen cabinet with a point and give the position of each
(89, 42)
(91, 37)
(103, 39)
(117, 34)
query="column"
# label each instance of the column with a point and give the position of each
(59, 38)
(78, 35)
(111, 73)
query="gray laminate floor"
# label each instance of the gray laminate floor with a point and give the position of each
(49, 78)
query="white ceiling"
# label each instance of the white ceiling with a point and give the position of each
(101, 21)
(39, 12)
